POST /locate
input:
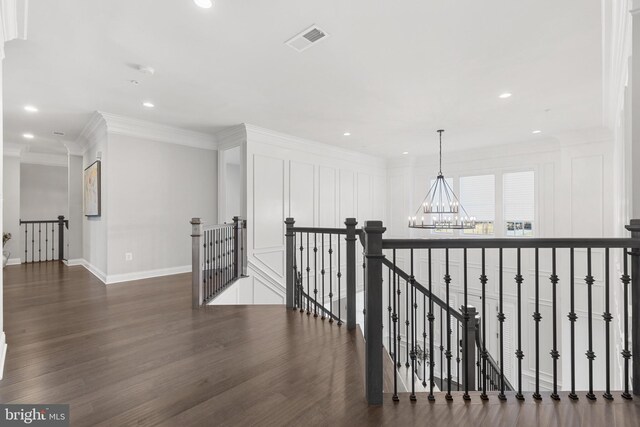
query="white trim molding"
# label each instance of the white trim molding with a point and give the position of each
(3, 352)
(14, 261)
(139, 275)
(44, 159)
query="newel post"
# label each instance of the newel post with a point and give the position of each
(351, 271)
(469, 316)
(289, 254)
(634, 228)
(60, 237)
(197, 263)
(237, 247)
(373, 231)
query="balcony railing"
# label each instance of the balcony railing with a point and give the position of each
(218, 258)
(44, 239)
(424, 331)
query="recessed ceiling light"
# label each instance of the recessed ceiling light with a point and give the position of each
(347, 134)
(505, 95)
(405, 152)
(536, 132)
(28, 136)
(30, 108)
(148, 104)
(205, 4)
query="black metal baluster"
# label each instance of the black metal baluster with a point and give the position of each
(412, 397)
(572, 318)
(339, 285)
(33, 234)
(331, 278)
(590, 354)
(626, 354)
(207, 267)
(396, 344)
(519, 353)
(39, 242)
(501, 318)
(46, 242)
(607, 318)
(432, 362)
(25, 242)
(389, 289)
(555, 355)
(458, 351)
(465, 332)
(308, 276)
(301, 269)
(441, 349)
(447, 281)
(53, 246)
(536, 318)
(483, 318)
(407, 308)
(424, 340)
(315, 274)
(322, 271)
(399, 337)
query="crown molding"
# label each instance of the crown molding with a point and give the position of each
(233, 136)
(119, 125)
(13, 22)
(94, 131)
(42, 159)
(291, 142)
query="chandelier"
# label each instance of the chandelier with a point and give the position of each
(441, 208)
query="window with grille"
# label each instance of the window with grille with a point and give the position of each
(519, 203)
(478, 196)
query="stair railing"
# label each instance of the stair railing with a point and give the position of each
(44, 239)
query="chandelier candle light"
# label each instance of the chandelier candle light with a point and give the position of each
(441, 207)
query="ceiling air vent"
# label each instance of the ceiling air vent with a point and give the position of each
(307, 38)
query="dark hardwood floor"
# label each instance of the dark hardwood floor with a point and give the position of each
(137, 354)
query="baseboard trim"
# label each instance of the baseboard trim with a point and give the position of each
(14, 261)
(74, 262)
(139, 275)
(3, 353)
(93, 270)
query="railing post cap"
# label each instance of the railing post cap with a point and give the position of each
(289, 221)
(469, 308)
(195, 221)
(350, 222)
(60, 216)
(374, 227)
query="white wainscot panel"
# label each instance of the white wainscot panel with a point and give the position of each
(347, 188)
(302, 193)
(268, 202)
(328, 202)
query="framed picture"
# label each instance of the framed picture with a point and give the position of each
(92, 189)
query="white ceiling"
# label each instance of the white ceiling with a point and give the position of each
(391, 72)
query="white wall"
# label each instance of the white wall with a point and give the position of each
(316, 184)
(154, 190)
(43, 192)
(11, 214)
(75, 214)
(154, 180)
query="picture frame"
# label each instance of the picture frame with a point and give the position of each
(92, 190)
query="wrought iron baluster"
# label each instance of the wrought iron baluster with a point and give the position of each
(206, 282)
(412, 397)
(33, 253)
(53, 246)
(25, 242)
(308, 276)
(331, 278)
(39, 242)
(406, 323)
(431, 319)
(536, 318)
(315, 274)
(590, 354)
(300, 284)
(483, 319)
(447, 281)
(424, 340)
(573, 317)
(465, 332)
(519, 353)
(399, 337)
(46, 242)
(626, 354)
(458, 351)
(339, 285)
(607, 318)
(441, 349)
(555, 355)
(322, 271)
(295, 272)
(501, 318)
(396, 343)
(389, 309)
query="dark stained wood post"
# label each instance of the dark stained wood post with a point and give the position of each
(237, 247)
(634, 228)
(197, 263)
(289, 254)
(351, 271)
(373, 305)
(61, 224)
(469, 315)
